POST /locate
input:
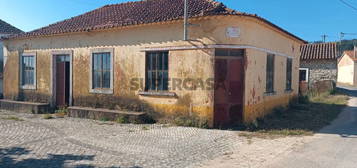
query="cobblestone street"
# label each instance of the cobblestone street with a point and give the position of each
(28, 140)
(69, 142)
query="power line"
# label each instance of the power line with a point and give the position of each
(348, 4)
(324, 38)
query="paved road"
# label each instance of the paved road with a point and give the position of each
(335, 146)
(70, 142)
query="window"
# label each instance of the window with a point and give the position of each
(157, 71)
(102, 71)
(28, 71)
(289, 68)
(270, 73)
(304, 75)
(230, 52)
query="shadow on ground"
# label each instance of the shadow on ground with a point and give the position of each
(9, 158)
(304, 118)
(350, 91)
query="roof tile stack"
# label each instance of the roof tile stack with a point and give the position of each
(319, 51)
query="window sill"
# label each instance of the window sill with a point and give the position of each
(269, 93)
(157, 94)
(101, 91)
(28, 87)
(289, 91)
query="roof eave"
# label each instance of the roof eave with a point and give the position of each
(173, 20)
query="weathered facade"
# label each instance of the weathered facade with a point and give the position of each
(318, 64)
(5, 30)
(220, 74)
(347, 68)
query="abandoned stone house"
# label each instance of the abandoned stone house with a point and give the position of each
(5, 30)
(318, 66)
(347, 68)
(234, 67)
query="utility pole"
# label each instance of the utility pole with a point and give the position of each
(324, 38)
(185, 24)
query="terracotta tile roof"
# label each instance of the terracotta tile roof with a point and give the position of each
(351, 54)
(6, 28)
(319, 51)
(138, 12)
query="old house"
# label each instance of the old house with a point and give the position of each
(318, 66)
(5, 30)
(234, 67)
(347, 68)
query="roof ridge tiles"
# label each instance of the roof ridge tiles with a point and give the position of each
(138, 12)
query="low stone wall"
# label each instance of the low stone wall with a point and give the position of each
(320, 70)
(25, 107)
(111, 115)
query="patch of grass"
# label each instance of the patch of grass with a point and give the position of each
(145, 128)
(13, 118)
(307, 116)
(123, 120)
(61, 112)
(189, 121)
(104, 119)
(47, 116)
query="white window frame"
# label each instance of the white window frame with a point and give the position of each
(307, 73)
(104, 90)
(28, 87)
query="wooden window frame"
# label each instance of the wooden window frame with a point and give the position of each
(307, 74)
(109, 90)
(270, 74)
(28, 86)
(156, 71)
(289, 74)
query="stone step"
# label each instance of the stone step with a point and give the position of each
(106, 114)
(25, 107)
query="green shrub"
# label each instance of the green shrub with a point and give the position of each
(104, 119)
(61, 112)
(190, 121)
(123, 120)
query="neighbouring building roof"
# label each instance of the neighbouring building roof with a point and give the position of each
(351, 54)
(136, 13)
(6, 28)
(319, 51)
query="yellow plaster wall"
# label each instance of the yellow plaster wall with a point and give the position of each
(129, 60)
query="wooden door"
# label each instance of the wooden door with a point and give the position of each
(62, 81)
(229, 80)
(61, 84)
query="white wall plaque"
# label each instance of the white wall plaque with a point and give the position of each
(233, 32)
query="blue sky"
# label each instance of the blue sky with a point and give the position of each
(308, 19)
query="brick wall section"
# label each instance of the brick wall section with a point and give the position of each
(320, 70)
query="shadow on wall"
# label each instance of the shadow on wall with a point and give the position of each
(8, 158)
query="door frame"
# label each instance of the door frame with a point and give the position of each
(244, 58)
(54, 71)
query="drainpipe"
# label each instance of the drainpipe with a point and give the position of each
(185, 24)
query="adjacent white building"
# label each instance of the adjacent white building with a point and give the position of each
(347, 68)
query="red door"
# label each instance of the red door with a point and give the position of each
(60, 84)
(229, 79)
(62, 81)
